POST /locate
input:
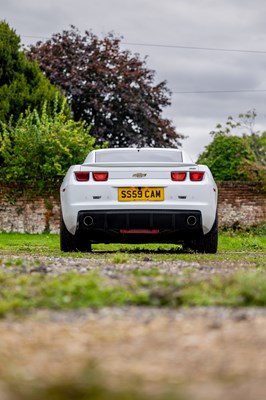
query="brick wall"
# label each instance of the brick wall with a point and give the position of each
(239, 203)
(34, 216)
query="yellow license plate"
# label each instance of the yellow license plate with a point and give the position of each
(141, 194)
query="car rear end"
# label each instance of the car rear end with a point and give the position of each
(139, 199)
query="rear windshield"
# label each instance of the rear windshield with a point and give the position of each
(139, 155)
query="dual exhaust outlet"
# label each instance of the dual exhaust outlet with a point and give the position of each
(191, 220)
(88, 220)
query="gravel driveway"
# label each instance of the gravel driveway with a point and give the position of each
(59, 265)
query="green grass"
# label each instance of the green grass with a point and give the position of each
(232, 248)
(48, 244)
(21, 292)
(155, 285)
(28, 243)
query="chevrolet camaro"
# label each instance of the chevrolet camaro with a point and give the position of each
(139, 195)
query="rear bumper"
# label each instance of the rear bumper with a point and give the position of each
(140, 226)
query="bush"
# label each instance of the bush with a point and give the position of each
(226, 157)
(40, 148)
(237, 158)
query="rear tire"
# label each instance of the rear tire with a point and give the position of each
(82, 244)
(207, 243)
(67, 240)
(70, 243)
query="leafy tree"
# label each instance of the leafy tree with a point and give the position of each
(225, 156)
(245, 124)
(40, 148)
(109, 87)
(257, 143)
(232, 157)
(22, 83)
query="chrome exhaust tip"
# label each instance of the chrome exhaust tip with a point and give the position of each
(191, 220)
(88, 220)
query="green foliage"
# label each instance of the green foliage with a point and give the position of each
(258, 145)
(40, 148)
(225, 156)
(22, 83)
(233, 157)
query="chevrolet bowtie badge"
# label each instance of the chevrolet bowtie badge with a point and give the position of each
(139, 175)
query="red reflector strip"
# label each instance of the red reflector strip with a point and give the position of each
(100, 176)
(140, 231)
(178, 176)
(82, 176)
(196, 176)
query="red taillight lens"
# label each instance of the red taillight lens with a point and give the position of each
(100, 176)
(196, 176)
(82, 176)
(178, 176)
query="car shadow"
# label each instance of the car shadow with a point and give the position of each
(178, 250)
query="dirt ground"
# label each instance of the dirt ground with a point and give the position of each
(202, 353)
(205, 354)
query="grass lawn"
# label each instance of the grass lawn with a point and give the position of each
(149, 286)
(48, 244)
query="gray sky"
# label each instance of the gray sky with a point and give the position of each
(212, 24)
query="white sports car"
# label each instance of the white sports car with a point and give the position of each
(139, 195)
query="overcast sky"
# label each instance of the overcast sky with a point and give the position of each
(175, 35)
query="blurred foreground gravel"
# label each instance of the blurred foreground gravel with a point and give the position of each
(202, 353)
(59, 265)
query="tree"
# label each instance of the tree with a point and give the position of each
(40, 148)
(245, 123)
(232, 157)
(225, 156)
(257, 143)
(22, 83)
(109, 87)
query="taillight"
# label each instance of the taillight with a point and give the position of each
(178, 176)
(196, 176)
(82, 176)
(100, 176)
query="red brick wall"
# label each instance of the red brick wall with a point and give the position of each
(239, 203)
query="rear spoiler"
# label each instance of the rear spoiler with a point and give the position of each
(139, 164)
